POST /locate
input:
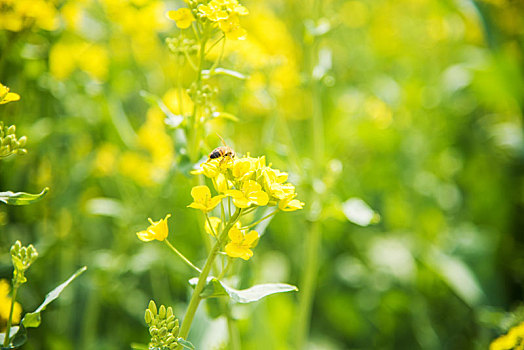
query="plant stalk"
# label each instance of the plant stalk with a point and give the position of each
(10, 319)
(202, 279)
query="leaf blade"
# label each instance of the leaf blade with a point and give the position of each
(21, 198)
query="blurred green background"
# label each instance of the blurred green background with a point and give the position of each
(420, 107)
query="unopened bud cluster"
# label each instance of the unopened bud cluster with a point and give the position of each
(163, 327)
(22, 258)
(9, 144)
(181, 46)
(204, 95)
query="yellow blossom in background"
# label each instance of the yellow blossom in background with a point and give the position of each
(241, 244)
(106, 158)
(513, 340)
(215, 223)
(66, 57)
(202, 199)
(5, 304)
(178, 101)
(16, 15)
(182, 17)
(157, 230)
(249, 194)
(6, 96)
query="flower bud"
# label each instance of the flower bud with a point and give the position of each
(152, 307)
(162, 312)
(148, 316)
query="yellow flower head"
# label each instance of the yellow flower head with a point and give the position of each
(5, 304)
(511, 340)
(202, 199)
(157, 230)
(250, 193)
(6, 96)
(232, 29)
(243, 168)
(182, 17)
(290, 204)
(240, 244)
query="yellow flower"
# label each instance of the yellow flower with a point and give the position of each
(240, 244)
(250, 193)
(221, 184)
(215, 222)
(202, 199)
(182, 17)
(213, 11)
(282, 191)
(157, 230)
(212, 167)
(242, 168)
(232, 29)
(5, 304)
(6, 96)
(290, 204)
(511, 340)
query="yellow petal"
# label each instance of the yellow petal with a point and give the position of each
(251, 237)
(241, 202)
(200, 193)
(235, 235)
(260, 198)
(145, 236)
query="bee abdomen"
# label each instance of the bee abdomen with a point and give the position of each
(215, 154)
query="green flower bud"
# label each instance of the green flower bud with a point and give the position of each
(22, 141)
(11, 130)
(162, 312)
(162, 332)
(152, 307)
(148, 316)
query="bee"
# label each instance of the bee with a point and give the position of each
(222, 151)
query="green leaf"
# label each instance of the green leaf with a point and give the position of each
(21, 198)
(12, 332)
(223, 71)
(185, 343)
(19, 338)
(173, 120)
(358, 212)
(215, 288)
(32, 319)
(225, 115)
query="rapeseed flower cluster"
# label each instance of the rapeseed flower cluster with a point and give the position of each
(249, 184)
(513, 340)
(223, 14)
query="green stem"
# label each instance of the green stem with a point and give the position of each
(234, 338)
(10, 319)
(259, 221)
(196, 298)
(224, 270)
(309, 278)
(211, 226)
(186, 260)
